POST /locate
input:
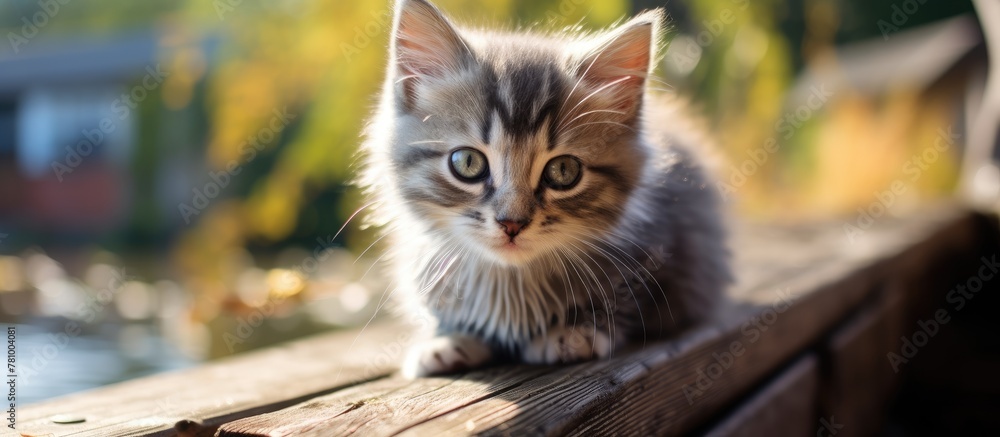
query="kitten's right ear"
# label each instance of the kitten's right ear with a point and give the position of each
(425, 45)
(620, 61)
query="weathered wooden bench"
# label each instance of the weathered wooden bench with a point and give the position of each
(802, 351)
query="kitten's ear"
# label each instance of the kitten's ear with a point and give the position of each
(425, 44)
(620, 61)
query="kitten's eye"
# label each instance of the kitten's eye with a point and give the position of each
(469, 165)
(562, 172)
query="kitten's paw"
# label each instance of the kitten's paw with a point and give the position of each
(568, 345)
(447, 354)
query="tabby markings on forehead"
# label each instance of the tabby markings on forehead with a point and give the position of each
(534, 93)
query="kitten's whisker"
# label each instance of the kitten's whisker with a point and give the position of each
(579, 80)
(386, 298)
(586, 287)
(384, 234)
(383, 300)
(594, 93)
(569, 122)
(649, 274)
(614, 260)
(340, 369)
(373, 264)
(607, 309)
(604, 297)
(645, 283)
(597, 56)
(408, 76)
(595, 231)
(623, 252)
(354, 214)
(659, 81)
(598, 122)
(563, 314)
(441, 270)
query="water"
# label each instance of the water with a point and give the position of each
(51, 365)
(97, 324)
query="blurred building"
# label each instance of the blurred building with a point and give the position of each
(71, 120)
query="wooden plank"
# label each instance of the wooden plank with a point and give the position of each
(218, 392)
(238, 387)
(680, 392)
(950, 386)
(860, 381)
(751, 264)
(385, 407)
(639, 390)
(332, 405)
(670, 387)
(787, 405)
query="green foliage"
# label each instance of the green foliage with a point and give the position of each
(325, 60)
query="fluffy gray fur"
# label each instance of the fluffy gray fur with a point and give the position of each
(635, 250)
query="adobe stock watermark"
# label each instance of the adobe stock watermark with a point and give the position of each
(392, 351)
(30, 27)
(828, 427)
(382, 20)
(87, 312)
(752, 331)
(248, 152)
(787, 125)
(900, 15)
(564, 10)
(959, 297)
(712, 29)
(223, 7)
(122, 107)
(914, 168)
(418, 324)
(245, 326)
(363, 34)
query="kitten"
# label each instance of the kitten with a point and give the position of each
(539, 204)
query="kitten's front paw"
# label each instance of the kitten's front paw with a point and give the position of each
(447, 354)
(568, 345)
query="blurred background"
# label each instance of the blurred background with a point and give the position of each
(174, 174)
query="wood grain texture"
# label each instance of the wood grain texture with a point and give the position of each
(244, 385)
(860, 380)
(786, 405)
(665, 388)
(795, 286)
(387, 406)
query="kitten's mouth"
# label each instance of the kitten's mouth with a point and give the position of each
(510, 245)
(514, 249)
(510, 251)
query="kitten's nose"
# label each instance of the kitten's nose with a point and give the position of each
(512, 227)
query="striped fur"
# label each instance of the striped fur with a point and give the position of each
(636, 249)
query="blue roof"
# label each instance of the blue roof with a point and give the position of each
(82, 62)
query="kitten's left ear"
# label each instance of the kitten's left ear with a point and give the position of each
(425, 45)
(622, 59)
